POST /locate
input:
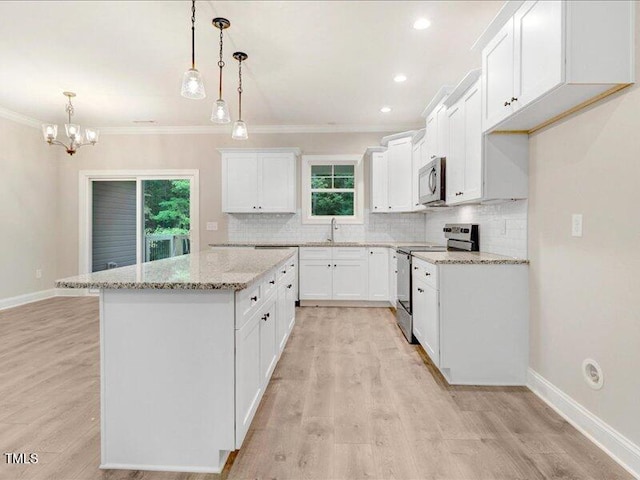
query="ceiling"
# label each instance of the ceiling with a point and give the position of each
(311, 63)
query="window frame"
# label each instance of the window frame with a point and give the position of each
(305, 179)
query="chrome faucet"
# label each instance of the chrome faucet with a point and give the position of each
(334, 227)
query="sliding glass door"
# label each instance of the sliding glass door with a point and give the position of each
(134, 218)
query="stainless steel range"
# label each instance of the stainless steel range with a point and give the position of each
(459, 236)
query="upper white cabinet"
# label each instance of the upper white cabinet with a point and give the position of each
(481, 167)
(391, 175)
(259, 181)
(419, 160)
(437, 125)
(552, 57)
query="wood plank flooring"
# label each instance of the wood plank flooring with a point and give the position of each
(350, 399)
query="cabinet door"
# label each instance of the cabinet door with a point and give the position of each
(350, 279)
(316, 279)
(248, 379)
(538, 52)
(472, 165)
(442, 140)
(399, 173)
(455, 159)
(393, 277)
(379, 183)
(282, 314)
(291, 306)
(240, 182)
(379, 274)
(497, 77)
(417, 159)
(268, 343)
(277, 174)
(419, 309)
(431, 136)
(431, 323)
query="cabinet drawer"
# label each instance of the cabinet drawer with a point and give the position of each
(315, 253)
(426, 271)
(247, 302)
(349, 253)
(285, 269)
(269, 283)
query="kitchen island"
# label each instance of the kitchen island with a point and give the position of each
(188, 345)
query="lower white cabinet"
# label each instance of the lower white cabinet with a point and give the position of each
(379, 271)
(473, 321)
(265, 315)
(269, 347)
(347, 273)
(393, 277)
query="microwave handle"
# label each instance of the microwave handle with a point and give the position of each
(432, 181)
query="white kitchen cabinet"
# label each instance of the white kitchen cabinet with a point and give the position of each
(350, 279)
(473, 321)
(282, 316)
(316, 279)
(554, 56)
(379, 274)
(379, 182)
(399, 175)
(481, 168)
(393, 277)
(259, 181)
(248, 377)
(418, 160)
(437, 125)
(291, 298)
(392, 175)
(268, 341)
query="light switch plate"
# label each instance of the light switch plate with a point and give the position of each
(212, 226)
(576, 225)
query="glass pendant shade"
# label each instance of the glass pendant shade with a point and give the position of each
(77, 140)
(192, 85)
(50, 132)
(72, 129)
(220, 112)
(239, 131)
(91, 135)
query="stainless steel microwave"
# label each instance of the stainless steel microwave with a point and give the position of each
(432, 186)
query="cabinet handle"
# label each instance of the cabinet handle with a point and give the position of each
(284, 271)
(389, 206)
(417, 204)
(293, 265)
(420, 290)
(433, 156)
(375, 208)
(506, 104)
(290, 285)
(254, 299)
(415, 268)
(334, 265)
(260, 208)
(514, 99)
(371, 252)
(266, 315)
(428, 274)
(329, 265)
(264, 318)
(272, 282)
(254, 208)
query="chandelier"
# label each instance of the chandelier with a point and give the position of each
(73, 131)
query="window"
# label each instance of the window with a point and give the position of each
(332, 187)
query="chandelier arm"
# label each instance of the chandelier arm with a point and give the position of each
(58, 142)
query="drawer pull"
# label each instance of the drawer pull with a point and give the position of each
(415, 268)
(293, 265)
(254, 299)
(290, 285)
(264, 317)
(272, 282)
(284, 271)
(427, 274)
(420, 290)
(329, 265)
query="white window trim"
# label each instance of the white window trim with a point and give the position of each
(305, 176)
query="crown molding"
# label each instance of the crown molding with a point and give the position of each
(253, 129)
(19, 118)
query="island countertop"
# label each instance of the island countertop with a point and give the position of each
(214, 269)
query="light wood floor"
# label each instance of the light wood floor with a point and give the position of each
(350, 399)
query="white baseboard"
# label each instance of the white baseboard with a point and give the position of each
(616, 445)
(41, 295)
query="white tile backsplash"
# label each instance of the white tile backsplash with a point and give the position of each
(503, 226)
(382, 227)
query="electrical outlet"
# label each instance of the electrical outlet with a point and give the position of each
(212, 226)
(576, 225)
(38, 273)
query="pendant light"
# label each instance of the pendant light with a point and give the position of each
(192, 85)
(220, 113)
(73, 131)
(239, 131)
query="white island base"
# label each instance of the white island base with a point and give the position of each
(167, 379)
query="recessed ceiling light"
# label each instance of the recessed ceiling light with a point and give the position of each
(421, 24)
(399, 78)
(385, 109)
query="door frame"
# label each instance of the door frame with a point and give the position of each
(85, 204)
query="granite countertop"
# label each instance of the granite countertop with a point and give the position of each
(389, 244)
(468, 258)
(221, 268)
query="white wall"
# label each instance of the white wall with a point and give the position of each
(28, 198)
(585, 292)
(503, 226)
